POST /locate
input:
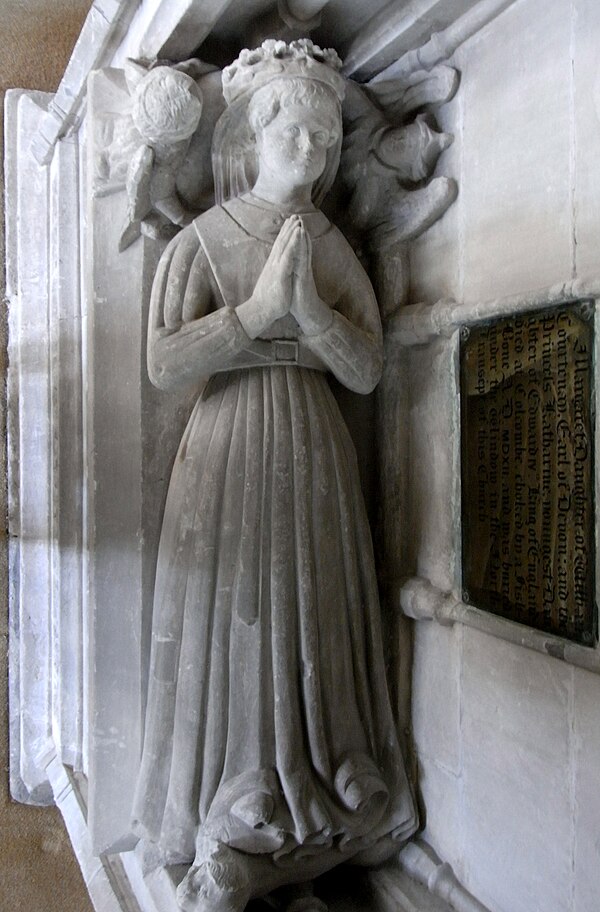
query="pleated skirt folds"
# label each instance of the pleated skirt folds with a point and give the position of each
(268, 724)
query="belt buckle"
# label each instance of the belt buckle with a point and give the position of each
(285, 351)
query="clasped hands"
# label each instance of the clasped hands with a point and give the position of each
(286, 285)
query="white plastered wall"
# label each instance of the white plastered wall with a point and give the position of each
(508, 740)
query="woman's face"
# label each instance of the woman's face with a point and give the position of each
(294, 145)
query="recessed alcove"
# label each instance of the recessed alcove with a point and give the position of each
(494, 717)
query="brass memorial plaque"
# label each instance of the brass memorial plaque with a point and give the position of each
(528, 470)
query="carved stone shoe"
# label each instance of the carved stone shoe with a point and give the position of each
(219, 883)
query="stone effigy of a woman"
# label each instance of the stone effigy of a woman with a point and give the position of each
(270, 751)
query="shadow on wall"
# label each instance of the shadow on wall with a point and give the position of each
(38, 869)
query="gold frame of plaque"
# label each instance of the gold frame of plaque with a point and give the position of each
(527, 469)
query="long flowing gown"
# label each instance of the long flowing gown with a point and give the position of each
(268, 724)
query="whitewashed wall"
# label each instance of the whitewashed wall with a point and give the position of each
(509, 740)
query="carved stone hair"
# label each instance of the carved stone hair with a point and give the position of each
(166, 105)
(281, 93)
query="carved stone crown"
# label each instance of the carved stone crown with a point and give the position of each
(275, 59)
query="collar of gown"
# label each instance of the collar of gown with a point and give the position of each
(263, 220)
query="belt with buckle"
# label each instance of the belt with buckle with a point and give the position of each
(275, 353)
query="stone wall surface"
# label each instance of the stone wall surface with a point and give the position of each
(509, 740)
(38, 869)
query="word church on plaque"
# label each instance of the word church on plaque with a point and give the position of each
(527, 457)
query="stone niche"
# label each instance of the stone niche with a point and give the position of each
(92, 441)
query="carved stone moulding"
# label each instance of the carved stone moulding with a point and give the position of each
(91, 441)
(434, 331)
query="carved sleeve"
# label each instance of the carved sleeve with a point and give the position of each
(352, 346)
(191, 332)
